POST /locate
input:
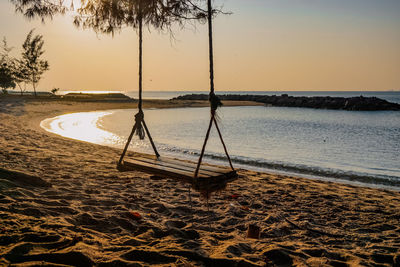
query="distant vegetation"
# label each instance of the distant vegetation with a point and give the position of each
(28, 69)
(117, 97)
(71, 97)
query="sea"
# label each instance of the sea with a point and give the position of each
(353, 147)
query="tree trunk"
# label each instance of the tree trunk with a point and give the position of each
(34, 85)
(20, 88)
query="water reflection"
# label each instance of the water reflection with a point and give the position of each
(82, 126)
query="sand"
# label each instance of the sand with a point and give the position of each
(62, 202)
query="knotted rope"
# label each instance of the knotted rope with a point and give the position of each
(215, 102)
(139, 130)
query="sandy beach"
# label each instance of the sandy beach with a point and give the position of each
(63, 203)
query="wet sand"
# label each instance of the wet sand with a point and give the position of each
(63, 202)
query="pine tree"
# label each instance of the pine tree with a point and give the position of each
(31, 63)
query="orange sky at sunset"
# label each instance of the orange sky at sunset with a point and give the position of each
(263, 45)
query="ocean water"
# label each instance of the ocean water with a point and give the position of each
(346, 146)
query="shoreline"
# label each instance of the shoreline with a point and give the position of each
(82, 210)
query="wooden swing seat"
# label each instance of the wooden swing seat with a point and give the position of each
(182, 170)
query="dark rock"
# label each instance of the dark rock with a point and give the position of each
(359, 103)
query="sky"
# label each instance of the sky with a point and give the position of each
(264, 45)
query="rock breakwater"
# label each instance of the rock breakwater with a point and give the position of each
(359, 103)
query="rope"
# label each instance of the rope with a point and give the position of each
(140, 127)
(210, 46)
(151, 140)
(126, 147)
(215, 102)
(140, 58)
(223, 144)
(196, 173)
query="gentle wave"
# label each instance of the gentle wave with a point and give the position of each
(260, 165)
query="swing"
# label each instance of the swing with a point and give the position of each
(199, 175)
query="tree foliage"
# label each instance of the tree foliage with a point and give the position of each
(13, 71)
(31, 63)
(6, 67)
(108, 16)
(6, 79)
(20, 74)
(39, 8)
